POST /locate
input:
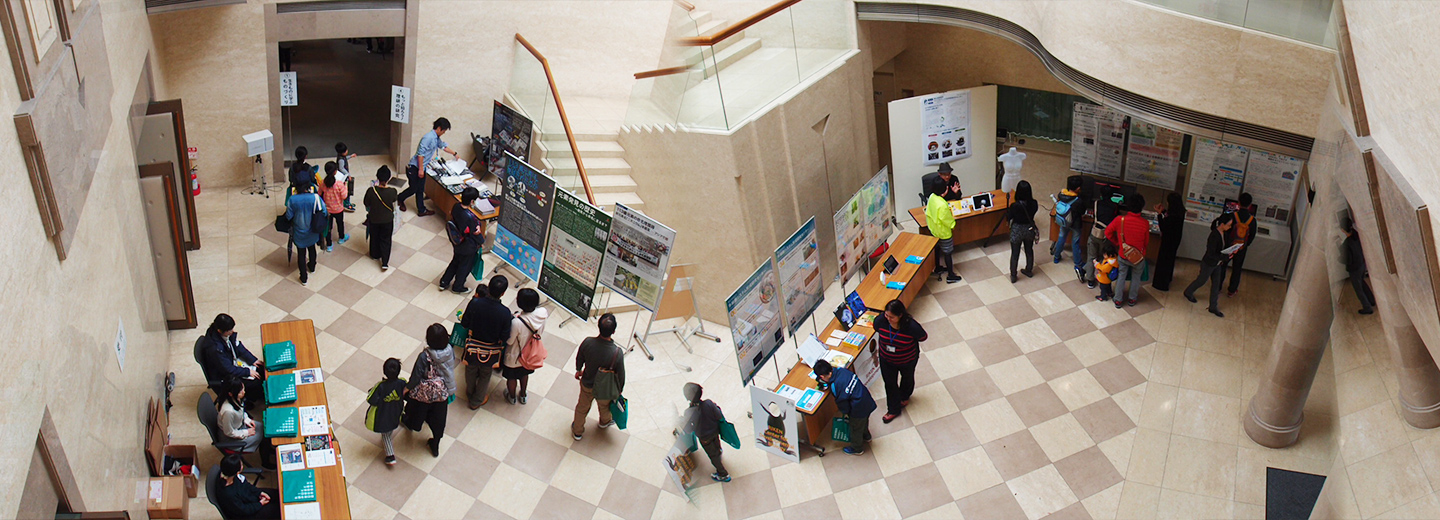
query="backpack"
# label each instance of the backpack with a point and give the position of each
(432, 388)
(532, 353)
(1062, 212)
(607, 382)
(1242, 228)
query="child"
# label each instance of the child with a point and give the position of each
(334, 192)
(342, 160)
(387, 400)
(1109, 260)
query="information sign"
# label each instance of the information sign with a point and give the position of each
(798, 262)
(637, 257)
(755, 320)
(578, 231)
(1097, 138)
(1216, 174)
(524, 216)
(777, 424)
(289, 93)
(399, 104)
(878, 210)
(510, 133)
(1271, 179)
(945, 126)
(1153, 157)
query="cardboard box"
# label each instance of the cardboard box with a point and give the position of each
(166, 498)
(186, 454)
(156, 437)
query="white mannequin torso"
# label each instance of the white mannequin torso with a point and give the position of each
(1012, 160)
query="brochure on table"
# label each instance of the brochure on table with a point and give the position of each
(1153, 157)
(524, 216)
(798, 262)
(777, 423)
(1097, 140)
(945, 126)
(578, 231)
(1271, 179)
(510, 132)
(756, 320)
(637, 256)
(1216, 174)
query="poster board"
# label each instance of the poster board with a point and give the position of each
(679, 299)
(879, 210)
(907, 160)
(850, 239)
(777, 424)
(867, 364)
(945, 126)
(1097, 137)
(1216, 174)
(1271, 179)
(1153, 155)
(680, 465)
(524, 216)
(637, 254)
(797, 261)
(755, 320)
(510, 132)
(575, 247)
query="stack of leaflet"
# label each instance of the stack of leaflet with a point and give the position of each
(279, 356)
(299, 486)
(280, 388)
(282, 422)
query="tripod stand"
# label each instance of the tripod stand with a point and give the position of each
(259, 183)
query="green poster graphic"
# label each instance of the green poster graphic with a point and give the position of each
(578, 232)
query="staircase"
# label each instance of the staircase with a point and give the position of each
(726, 53)
(605, 166)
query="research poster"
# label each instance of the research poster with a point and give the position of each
(945, 126)
(798, 262)
(510, 133)
(850, 236)
(1154, 155)
(777, 424)
(755, 320)
(879, 211)
(1097, 138)
(524, 216)
(578, 232)
(637, 255)
(1271, 179)
(1216, 174)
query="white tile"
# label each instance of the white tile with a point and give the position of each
(1041, 492)
(993, 420)
(968, 472)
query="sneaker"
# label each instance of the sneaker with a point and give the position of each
(889, 417)
(329, 249)
(522, 398)
(510, 398)
(1013, 278)
(952, 279)
(1217, 313)
(606, 424)
(576, 436)
(389, 460)
(1367, 311)
(1119, 304)
(1029, 273)
(441, 288)
(384, 268)
(1229, 294)
(344, 239)
(853, 451)
(304, 283)
(1132, 302)
(461, 290)
(904, 403)
(1100, 298)
(1079, 274)
(1090, 284)
(718, 478)
(1191, 297)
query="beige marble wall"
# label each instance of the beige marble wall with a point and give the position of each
(61, 318)
(939, 58)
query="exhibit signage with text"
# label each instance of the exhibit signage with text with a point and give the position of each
(1153, 156)
(637, 256)
(755, 320)
(578, 233)
(1097, 140)
(524, 216)
(798, 261)
(510, 132)
(777, 424)
(945, 126)
(1271, 179)
(1216, 174)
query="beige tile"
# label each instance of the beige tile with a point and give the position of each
(993, 420)
(1213, 373)
(930, 402)
(551, 420)
(1103, 314)
(1130, 400)
(1157, 411)
(1207, 416)
(579, 475)
(368, 272)
(1200, 467)
(1092, 348)
(800, 483)
(490, 434)
(968, 472)
(900, 451)
(436, 499)
(995, 290)
(1147, 459)
(925, 309)
(949, 511)
(1033, 335)
(1359, 389)
(1428, 447)
(975, 323)
(1427, 506)
(1049, 300)
(1387, 480)
(1014, 375)
(870, 501)
(1061, 437)
(322, 310)
(1078, 389)
(1368, 432)
(1042, 492)
(342, 399)
(1142, 358)
(362, 505)
(953, 360)
(390, 343)
(514, 493)
(379, 306)
(638, 461)
(441, 303)
(1138, 501)
(1118, 450)
(1178, 505)
(1105, 505)
(1167, 365)
(424, 266)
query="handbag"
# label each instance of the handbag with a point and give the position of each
(1021, 233)
(607, 382)
(282, 224)
(620, 411)
(481, 354)
(432, 388)
(1130, 253)
(840, 429)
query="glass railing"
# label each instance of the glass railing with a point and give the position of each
(1310, 21)
(735, 69)
(532, 88)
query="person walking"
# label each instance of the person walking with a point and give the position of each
(1132, 230)
(1243, 234)
(600, 367)
(899, 337)
(342, 164)
(387, 402)
(431, 386)
(528, 325)
(488, 322)
(1023, 231)
(707, 417)
(1355, 267)
(1212, 265)
(940, 220)
(429, 145)
(1069, 210)
(380, 214)
(467, 234)
(852, 399)
(334, 193)
(1172, 228)
(304, 211)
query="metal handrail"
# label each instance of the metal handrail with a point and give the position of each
(564, 119)
(737, 27)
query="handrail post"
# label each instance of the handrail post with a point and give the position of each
(564, 119)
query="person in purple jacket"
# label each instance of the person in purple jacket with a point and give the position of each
(853, 400)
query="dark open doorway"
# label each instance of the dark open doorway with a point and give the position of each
(343, 95)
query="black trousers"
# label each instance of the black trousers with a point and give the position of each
(1165, 267)
(899, 383)
(337, 228)
(1029, 255)
(380, 235)
(1362, 291)
(712, 449)
(418, 414)
(416, 188)
(459, 269)
(1216, 275)
(305, 257)
(269, 511)
(1236, 263)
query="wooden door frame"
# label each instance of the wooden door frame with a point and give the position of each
(177, 112)
(166, 170)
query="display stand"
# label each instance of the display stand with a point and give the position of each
(677, 300)
(259, 181)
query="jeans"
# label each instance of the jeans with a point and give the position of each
(416, 188)
(1132, 271)
(711, 445)
(380, 235)
(1362, 291)
(1029, 255)
(899, 384)
(582, 409)
(859, 429)
(461, 263)
(1073, 237)
(477, 382)
(305, 257)
(1216, 275)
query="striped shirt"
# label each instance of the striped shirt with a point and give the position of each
(899, 346)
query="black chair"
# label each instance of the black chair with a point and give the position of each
(212, 484)
(211, 380)
(210, 417)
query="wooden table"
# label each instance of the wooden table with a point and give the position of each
(446, 201)
(875, 295)
(329, 481)
(975, 225)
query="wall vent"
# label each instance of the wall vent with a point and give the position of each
(165, 6)
(338, 5)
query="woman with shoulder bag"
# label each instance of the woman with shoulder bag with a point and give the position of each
(431, 386)
(1023, 232)
(1130, 232)
(380, 216)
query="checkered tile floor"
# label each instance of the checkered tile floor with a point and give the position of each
(1033, 400)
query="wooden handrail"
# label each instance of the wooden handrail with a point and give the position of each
(735, 28)
(661, 72)
(685, 5)
(564, 119)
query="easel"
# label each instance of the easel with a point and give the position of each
(679, 284)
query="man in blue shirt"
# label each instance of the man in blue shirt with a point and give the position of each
(430, 144)
(852, 398)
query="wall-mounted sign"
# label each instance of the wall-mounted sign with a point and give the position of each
(289, 93)
(399, 104)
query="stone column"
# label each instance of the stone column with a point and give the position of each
(1419, 377)
(1277, 409)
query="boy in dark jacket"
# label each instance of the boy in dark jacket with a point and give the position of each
(1070, 231)
(707, 419)
(852, 398)
(239, 498)
(387, 401)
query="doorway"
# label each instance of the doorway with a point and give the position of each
(342, 94)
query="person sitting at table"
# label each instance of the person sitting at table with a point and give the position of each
(226, 357)
(944, 176)
(238, 498)
(236, 424)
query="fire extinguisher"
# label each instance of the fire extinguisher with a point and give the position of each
(194, 183)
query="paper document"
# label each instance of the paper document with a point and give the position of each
(313, 420)
(319, 458)
(837, 333)
(483, 205)
(307, 511)
(291, 456)
(810, 350)
(809, 400)
(1232, 249)
(789, 392)
(833, 342)
(308, 376)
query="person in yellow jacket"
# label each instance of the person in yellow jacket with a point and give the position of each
(941, 221)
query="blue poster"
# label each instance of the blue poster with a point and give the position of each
(798, 263)
(756, 320)
(525, 208)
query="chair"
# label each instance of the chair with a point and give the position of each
(210, 417)
(212, 485)
(210, 380)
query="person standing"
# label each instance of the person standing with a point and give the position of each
(1356, 268)
(1023, 231)
(1070, 221)
(595, 356)
(434, 363)
(1172, 228)
(386, 400)
(941, 221)
(1243, 234)
(707, 418)
(852, 399)
(240, 499)
(899, 336)
(1212, 265)
(528, 324)
(1106, 208)
(429, 145)
(380, 202)
(470, 233)
(301, 210)
(301, 170)
(1133, 230)
(488, 322)
(342, 163)
(1104, 268)
(334, 193)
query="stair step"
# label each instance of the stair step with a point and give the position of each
(559, 135)
(607, 201)
(611, 183)
(699, 17)
(732, 54)
(593, 166)
(588, 149)
(710, 27)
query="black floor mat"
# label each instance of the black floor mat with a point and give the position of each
(1290, 495)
